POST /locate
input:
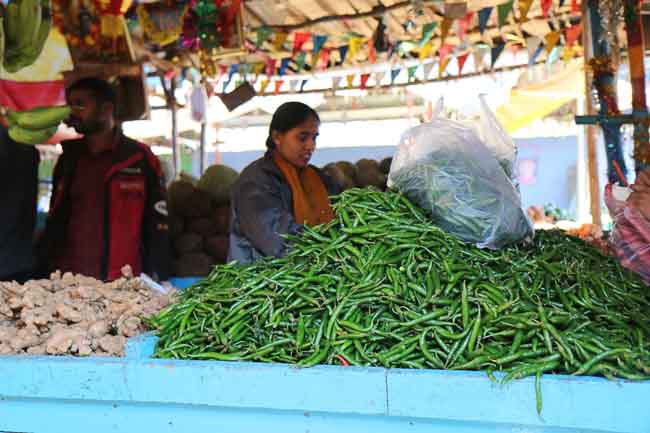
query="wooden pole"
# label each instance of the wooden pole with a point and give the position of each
(178, 164)
(592, 154)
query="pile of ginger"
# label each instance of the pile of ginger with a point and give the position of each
(75, 315)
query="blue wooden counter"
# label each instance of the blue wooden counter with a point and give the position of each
(138, 394)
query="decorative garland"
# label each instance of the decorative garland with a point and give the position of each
(602, 67)
(161, 25)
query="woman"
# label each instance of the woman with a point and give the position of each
(281, 192)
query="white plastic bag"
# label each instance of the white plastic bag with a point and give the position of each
(446, 169)
(491, 132)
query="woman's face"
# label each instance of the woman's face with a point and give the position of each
(298, 144)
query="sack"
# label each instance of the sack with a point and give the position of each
(630, 235)
(445, 168)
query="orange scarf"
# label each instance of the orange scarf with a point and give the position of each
(311, 203)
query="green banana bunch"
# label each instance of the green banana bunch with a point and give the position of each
(27, 26)
(37, 125)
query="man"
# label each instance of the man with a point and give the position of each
(19, 180)
(108, 205)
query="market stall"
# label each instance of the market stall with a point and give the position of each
(427, 302)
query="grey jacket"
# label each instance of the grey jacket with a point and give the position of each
(262, 211)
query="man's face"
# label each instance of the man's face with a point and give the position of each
(87, 116)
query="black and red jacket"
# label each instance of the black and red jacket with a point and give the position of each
(135, 232)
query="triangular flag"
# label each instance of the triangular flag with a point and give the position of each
(426, 70)
(555, 54)
(532, 44)
(546, 6)
(293, 85)
(354, 45)
(263, 85)
(572, 34)
(302, 85)
(524, 8)
(372, 52)
(567, 53)
(551, 41)
(226, 83)
(284, 65)
(503, 10)
(427, 32)
(443, 53)
(532, 59)
(233, 70)
(223, 69)
(299, 39)
(343, 52)
(258, 68)
(496, 52)
(350, 80)
(483, 18)
(393, 74)
(279, 40)
(325, 58)
(464, 24)
(300, 60)
(278, 86)
(270, 67)
(336, 82)
(314, 61)
(575, 7)
(364, 81)
(411, 72)
(379, 76)
(561, 3)
(461, 62)
(444, 28)
(319, 41)
(263, 34)
(426, 50)
(479, 56)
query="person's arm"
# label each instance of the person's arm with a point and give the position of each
(263, 217)
(155, 233)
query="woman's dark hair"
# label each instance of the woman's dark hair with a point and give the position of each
(288, 116)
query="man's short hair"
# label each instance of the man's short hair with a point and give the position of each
(101, 89)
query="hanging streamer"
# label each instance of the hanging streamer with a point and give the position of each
(284, 64)
(572, 34)
(444, 58)
(350, 80)
(319, 41)
(524, 8)
(496, 52)
(354, 45)
(300, 60)
(464, 24)
(411, 72)
(325, 57)
(483, 18)
(372, 52)
(270, 67)
(343, 52)
(503, 11)
(278, 86)
(279, 40)
(551, 41)
(263, 34)
(364, 81)
(299, 39)
(263, 85)
(546, 6)
(427, 33)
(461, 62)
(393, 74)
(426, 50)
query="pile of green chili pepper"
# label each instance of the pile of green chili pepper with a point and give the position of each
(381, 286)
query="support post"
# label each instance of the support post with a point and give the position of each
(176, 151)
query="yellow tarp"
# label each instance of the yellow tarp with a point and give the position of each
(530, 102)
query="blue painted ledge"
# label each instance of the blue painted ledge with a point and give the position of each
(139, 394)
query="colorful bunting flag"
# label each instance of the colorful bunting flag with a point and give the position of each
(372, 52)
(379, 76)
(279, 40)
(223, 69)
(483, 18)
(461, 62)
(293, 85)
(336, 82)
(426, 50)
(411, 72)
(393, 74)
(572, 34)
(354, 45)
(479, 56)
(350, 80)
(575, 7)
(263, 34)
(343, 52)
(532, 44)
(300, 60)
(299, 39)
(426, 70)
(314, 61)
(444, 58)
(278, 86)
(319, 41)
(233, 70)
(364, 81)
(555, 54)
(567, 53)
(546, 6)
(270, 67)
(503, 11)
(524, 8)
(445, 27)
(302, 85)
(464, 24)
(551, 41)
(226, 83)
(325, 57)
(263, 85)
(258, 68)
(496, 51)
(532, 59)
(427, 33)
(284, 64)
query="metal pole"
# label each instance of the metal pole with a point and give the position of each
(175, 145)
(202, 152)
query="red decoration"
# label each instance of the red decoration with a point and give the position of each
(444, 52)
(278, 86)
(364, 80)
(270, 67)
(572, 34)
(461, 62)
(372, 53)
(546, 6)
(464, 24)
(299, 39)
(575, 7)
(325, 57)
